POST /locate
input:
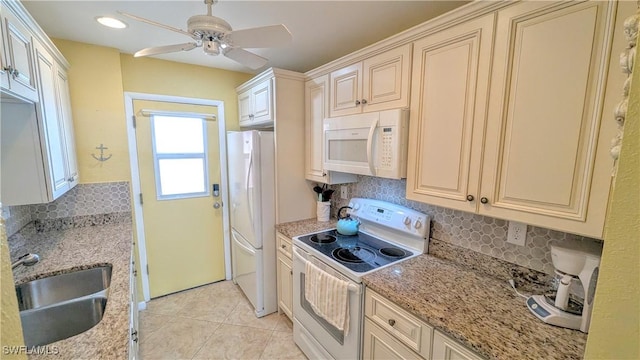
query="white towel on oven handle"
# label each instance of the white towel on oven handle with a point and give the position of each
(328, 296)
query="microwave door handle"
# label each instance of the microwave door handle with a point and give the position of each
(372, 129)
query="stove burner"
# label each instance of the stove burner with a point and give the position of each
(393, 252)
(323, 238)
(353, 255)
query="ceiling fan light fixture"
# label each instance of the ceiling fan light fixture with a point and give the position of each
(211, 47)
(111, 22)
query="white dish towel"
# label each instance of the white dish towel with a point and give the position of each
(328, 296)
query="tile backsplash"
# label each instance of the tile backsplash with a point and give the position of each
(479, 233)
(82, 200)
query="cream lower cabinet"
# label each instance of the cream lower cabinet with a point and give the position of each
(285, 275)
(540, 154)
(393, 333)
(316, 94)
(378, 83)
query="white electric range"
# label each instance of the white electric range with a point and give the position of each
(388, 234)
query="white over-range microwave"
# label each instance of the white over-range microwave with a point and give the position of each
(373, 144)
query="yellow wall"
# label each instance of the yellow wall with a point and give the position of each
(11, 326)
(615, 323)
(95, 85)
(147, 75)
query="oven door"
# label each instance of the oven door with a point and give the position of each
(314, 335)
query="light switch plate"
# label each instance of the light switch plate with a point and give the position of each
(517, 233)
(343, 192)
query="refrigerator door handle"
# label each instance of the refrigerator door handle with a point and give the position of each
(241, 243)
(249, 193)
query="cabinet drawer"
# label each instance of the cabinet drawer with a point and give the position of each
(405, 327)
(379, 344)
(284, 245)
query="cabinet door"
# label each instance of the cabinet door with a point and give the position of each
(262, 108)
(52, 134)
(380, 345)
(244, 108)
(64, 112)
(285, 282)
(4, 74)
(386, 80)
(19, 56)
(448, 102)
(447, 349)
(345, 91)
(547, 90)
(316, 94)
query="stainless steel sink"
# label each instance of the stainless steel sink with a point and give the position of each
(45, 325)
(61, 306)
(59, 288)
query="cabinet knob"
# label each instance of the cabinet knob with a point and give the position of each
(392, 322)
(484, 200)
(364, 101)
(470, 198)
(357, 102)
(324, 174)
(8, 68)
(291, 272)
(283, 246)
(15, 73)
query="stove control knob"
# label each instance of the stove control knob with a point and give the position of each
(407, 220)
(351, 204)
(418, 224)
(356, 206)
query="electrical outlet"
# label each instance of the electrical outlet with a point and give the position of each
(343, 192)
(517, 233)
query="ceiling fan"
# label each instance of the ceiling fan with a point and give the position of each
(216, 36)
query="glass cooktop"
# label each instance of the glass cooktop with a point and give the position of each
(359, 253)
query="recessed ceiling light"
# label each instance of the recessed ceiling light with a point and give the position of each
(111, 22)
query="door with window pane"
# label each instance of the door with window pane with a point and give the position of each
(179, 161)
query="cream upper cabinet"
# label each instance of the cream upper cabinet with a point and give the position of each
(255, 105)
(18, 72)
(447, 118)
(316, 93)
(64, 113)
(540, 156)
(546, 159)
(377, 83)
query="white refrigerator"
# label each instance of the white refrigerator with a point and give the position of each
(252, 188)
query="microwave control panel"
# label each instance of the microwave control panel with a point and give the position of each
(387, 147)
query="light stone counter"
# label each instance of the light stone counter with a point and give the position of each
(481, 312)
(63, 251)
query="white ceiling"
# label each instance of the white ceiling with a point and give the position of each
(322, 30)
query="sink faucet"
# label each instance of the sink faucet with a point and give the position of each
(26, 260)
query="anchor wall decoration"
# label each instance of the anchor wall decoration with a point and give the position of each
(102, 148)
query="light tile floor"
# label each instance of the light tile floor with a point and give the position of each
(215, 321)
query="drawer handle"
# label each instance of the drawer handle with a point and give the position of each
(392, 322)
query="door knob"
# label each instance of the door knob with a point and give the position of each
(217, 205)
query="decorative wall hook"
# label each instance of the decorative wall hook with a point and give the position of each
(102, 148)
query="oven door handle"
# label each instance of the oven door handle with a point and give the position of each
(352, 287)
(372, 130)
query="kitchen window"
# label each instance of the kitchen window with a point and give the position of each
(180, 157)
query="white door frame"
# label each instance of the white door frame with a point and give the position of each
(129, 97)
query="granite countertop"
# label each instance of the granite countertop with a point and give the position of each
(481, 312)
(81, 248)
(302, 227)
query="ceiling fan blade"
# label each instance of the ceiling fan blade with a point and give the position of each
(246, 58)
(151, 22)
(260, 37)
(165, 49)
